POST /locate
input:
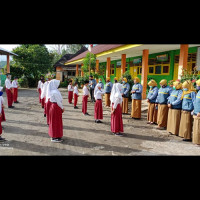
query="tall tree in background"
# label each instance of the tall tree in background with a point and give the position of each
(34, 60)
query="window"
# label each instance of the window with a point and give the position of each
(158, 69)
(112, 69)
(73, 73)
(69, 73)
(151, 70)
(165, 69)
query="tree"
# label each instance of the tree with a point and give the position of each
(34, 60)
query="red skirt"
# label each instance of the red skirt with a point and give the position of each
(84, 104)
(3, 117)
(39, 94)
(0, 127)
(70, 96)
(9, 97)
(15, 94)
(116, 120)
(75, 99)
(44, 106)
(42, 102)
(98, 109)
(55, 121)
(48, 105)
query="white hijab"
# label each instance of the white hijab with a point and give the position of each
(44, 90)
(116, 94)
(96, 89)
(52, 91)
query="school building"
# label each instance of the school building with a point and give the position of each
(156, 61)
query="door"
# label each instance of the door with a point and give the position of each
(175, 71)
(118, 73)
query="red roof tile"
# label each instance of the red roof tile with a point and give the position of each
(95, 50)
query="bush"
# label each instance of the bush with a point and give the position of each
(64, 84)
(23, 82)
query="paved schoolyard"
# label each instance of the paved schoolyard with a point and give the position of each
(27, 133)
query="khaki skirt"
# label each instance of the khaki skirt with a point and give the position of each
(162, 115)
(196, 130)
(107, 99)
(185, 129)
(173, 121)
(125, 105)
(152, 113)
(136, 108)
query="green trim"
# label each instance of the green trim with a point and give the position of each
(171, 70)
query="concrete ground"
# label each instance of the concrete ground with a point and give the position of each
(26, 132)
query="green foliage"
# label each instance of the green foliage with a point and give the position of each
(34, 60)
(90, 59)
(23, 82)
(64, 84)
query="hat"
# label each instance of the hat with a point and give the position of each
(163, 82)
(137, 79)
(152, 83)
(177, 85)
(116, 78)
(125, 79)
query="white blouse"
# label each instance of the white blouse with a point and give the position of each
(85, 91)
(8, 84)
(14, 84)
(70, 88)
(76, 90)
(99, 94)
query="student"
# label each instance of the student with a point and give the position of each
(3, 118)
(116, 109)
(55, 112)
(70, 92)
(85, 98)
(151, 99)
(47, 101)
(98, 108)
(125, 95)
(43, 95)
(1, 139)
(42, 89)
(9, 91)
(196, 116)
(175, 106)
(76, 95)
(15, 89)
(39, 87)
(161, 101)
(92, 84)
(188, 98)
(136, 99)
(108, 89)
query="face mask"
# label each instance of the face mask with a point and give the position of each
(198, 87)
(151, 86)
(185, 89)
(123, 82)
(163, 86)
(99, 81)
(174, 87)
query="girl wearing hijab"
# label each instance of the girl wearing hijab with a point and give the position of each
(39, 87)
(70, 92)
(163, 93)
(175, 106)
(116, 109)
(55, 111)
(188, 98)
(75, 95)
(9, 91)
(126, 88)
(3, 118)
(85, 98)
(15, 89)
(43, 96)
(108, 89)
(151, 99)
(136, 99)
(47, 101)
(196, 116)
(98, 108)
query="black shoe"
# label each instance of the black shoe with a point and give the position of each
(44, 115)
(2, 139)
(16, 101)
(187, 140)
(98, 121)
(87, 113)
(56, 140)
(43, 107)
(11, 106)
(75, 107)
(118, 134)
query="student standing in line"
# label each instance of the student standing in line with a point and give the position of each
(1, 139)
(175, 106)
(15, 89)
(161, 100)
(116, 109)
(55, 112)
(136, 99)
(125, 95)
(43, 96)
(47, 101)
(42, 88)
(76, 95)
(92, 84)
(3, 117)
(98, 108)
(9, 91)
(188, 98)
(108, 89)
(70, 92)
(85, 98)
(196, 116)
(151, 99)
(39, 87)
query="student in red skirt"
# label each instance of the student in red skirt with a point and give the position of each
(43, 95)
(98, 108)
(39, 87)
(85, 98)
(47, 101)
(75, 95)
(55, 112)
(116, 109)
(3, 118)
(1, 139)
(9, 91)
(15, 89)
(42, 99)
(70, 92)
